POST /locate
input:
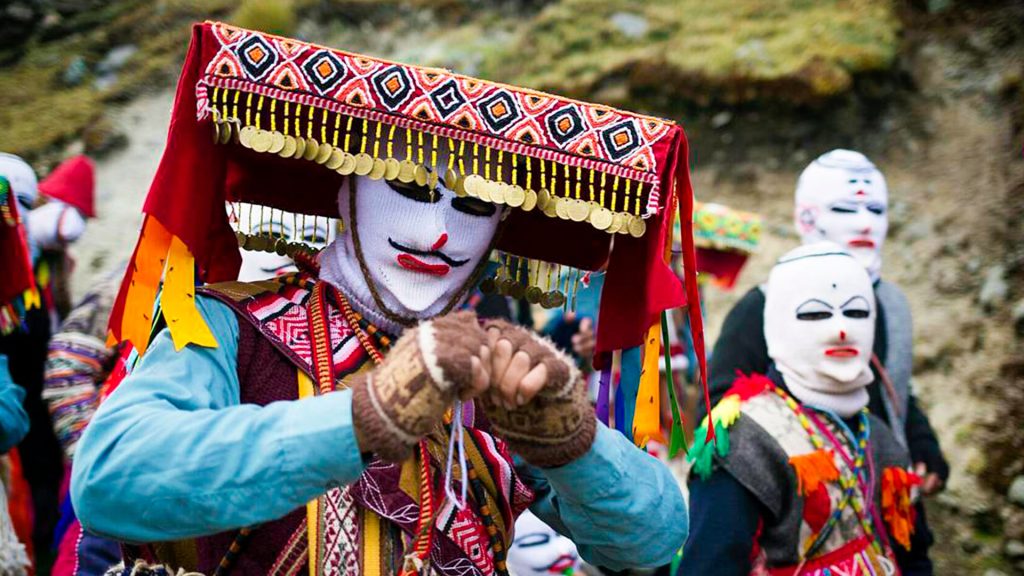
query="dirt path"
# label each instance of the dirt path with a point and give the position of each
(122, 180)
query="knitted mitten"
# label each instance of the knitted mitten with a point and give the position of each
(558, 425)
(405, 397)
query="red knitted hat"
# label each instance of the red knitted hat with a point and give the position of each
(73, 183)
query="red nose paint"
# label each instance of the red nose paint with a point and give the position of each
(842, 335)
(441, 241)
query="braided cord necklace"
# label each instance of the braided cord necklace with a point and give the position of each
(848, 479)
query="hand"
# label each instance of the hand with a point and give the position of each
(405, 397)
(583, 341)
(538, 401)
(930, 481)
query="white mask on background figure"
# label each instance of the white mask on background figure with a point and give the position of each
(819, 324)
(315, 232)
(842, 197)
(537, 550)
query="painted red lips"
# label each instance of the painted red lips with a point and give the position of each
(862, 243)
(410, 262)
(842, 352)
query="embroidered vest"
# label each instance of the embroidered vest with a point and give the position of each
(823, 516)
(366, 527)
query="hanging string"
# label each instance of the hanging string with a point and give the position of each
(456, 441)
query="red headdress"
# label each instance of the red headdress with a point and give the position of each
(72, 183)
(280, 123)
(17, 290)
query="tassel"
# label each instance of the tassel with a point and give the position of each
(813, 469)
(897, 509)
(146, 270)
(629, 385)
(677, 439)
(647, 418)
(604, 393)
(179, 300)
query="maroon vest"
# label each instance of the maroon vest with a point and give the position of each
(264, 376)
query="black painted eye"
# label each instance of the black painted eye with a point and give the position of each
(857, 308)
(814, 309)
(843, 209)
(314, 238)
(876, 208)
(414, 191)
(474, 206)
(533, 540)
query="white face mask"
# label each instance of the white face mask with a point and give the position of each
(842, 197)
(260, 265)
(819, 323)
(419, 247)
(537, 550)
(53, 226)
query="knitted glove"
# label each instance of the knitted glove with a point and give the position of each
(405, 397)
(558, 425)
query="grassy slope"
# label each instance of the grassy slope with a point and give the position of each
(735, 50)
(38, 112)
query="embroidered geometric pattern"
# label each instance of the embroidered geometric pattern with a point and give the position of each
(438, 96)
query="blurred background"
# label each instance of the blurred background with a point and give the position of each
(931, 90)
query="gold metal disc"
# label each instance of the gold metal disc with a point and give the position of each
(534, 294)
(216, 132)
(543, 198)
(517, 290)
(312, 149)
(450, 176)
(470, 184)
(240, 237)
(379, 167)
(324, 153)
(245, 136)
(391, 169)
(578, 210)
(276, 142)
(459, 186)
(348, 164)
(406, 171)
(363, 164)
(618, 220)
(261, 141)
(300, 147)
(288, 150)
(337, 157)
(225, 132)
(483, 189)
(600, 217)
(432, 180)
(557, 299)
(637, 227)
(498, 192)
(551, 208)
(420, 175)
(562, 207)
(530, 201)
(515, 196)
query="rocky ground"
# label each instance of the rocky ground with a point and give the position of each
(934, 95)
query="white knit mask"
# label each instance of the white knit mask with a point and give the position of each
(53, 226)
(537, 550)
(260, 265)
(420, 247)
(819, 323)
(842, 197)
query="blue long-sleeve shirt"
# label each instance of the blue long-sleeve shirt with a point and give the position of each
(13, 418)
(173, 454)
